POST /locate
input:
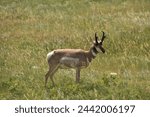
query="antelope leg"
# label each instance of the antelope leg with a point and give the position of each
(77, 75)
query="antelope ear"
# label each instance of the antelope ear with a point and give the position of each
(95, 43)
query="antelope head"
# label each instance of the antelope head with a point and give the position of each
(99, 44)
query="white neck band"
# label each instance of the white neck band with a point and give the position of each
(98, 49)
(93, 53)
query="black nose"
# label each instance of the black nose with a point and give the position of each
(102, 49)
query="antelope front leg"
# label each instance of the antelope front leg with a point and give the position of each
(77, 75)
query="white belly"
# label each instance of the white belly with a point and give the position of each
(69, 62)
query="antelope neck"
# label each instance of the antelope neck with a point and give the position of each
(92, 53)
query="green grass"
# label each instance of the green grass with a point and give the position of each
(29, 29)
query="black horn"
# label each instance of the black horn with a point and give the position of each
(96, 38)
(103, 37)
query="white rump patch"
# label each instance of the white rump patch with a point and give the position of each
(49, 55)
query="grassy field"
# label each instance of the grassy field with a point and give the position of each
(29, 29)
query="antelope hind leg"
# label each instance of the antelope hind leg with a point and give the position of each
(46, 77)
(50, 73)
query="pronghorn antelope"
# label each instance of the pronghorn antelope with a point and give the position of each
(73, 58)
